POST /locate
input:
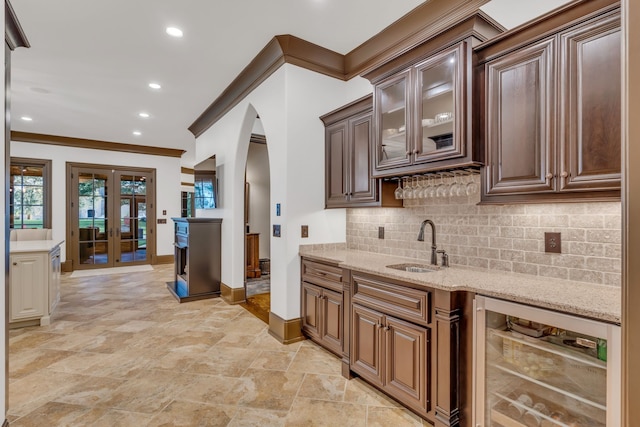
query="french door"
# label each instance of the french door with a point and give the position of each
(111, 216)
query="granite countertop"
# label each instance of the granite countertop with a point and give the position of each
(33, 245)
(583, 299)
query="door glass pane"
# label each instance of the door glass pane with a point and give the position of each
(133, 214)
(393, 122)
(92, 218)
(438, 94)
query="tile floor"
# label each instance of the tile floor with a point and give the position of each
(121, 351)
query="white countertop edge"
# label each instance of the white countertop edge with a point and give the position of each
(20, 246)
(583, 299)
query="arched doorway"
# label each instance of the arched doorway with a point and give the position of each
(257, 224)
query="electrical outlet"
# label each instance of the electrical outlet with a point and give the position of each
(380, 232)
(552, 243)
(304, 231)
(164, 212)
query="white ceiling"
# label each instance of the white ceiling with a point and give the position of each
(90, 61)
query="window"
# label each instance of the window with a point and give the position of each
(205, 189)
(30, 193)
(188, 210)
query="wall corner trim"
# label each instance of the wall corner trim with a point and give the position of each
(285, 331)
(232, 295)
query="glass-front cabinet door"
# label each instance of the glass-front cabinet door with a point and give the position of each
(440, 113)
(394, 133)
(537, 368)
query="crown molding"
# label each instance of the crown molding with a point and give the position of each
(14, 35)
(422, 23)
(283, 49)
(93, 144)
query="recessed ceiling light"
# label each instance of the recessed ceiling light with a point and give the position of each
(137, 133)
(154, 85)
(143, 114)
(26, 119)
(174, 32)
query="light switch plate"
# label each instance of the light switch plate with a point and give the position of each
(380, 232)
(162, 220)
(304, 231)
(552, 243)
(276, 230)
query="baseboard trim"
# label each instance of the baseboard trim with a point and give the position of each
(232, 295)
(285, 331)
(67, 266)
(5, 423)
(164, 259)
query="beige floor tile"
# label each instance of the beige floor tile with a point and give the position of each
(248, 417)
(384, 417)
(266, 389)
(187, 414)
(358, 391)
(91, 392)
(274, 360)
(52, 414)
(310, 412)
(136, 326)
(26, 362)
(79, 362)
(315, 360)
(33, 391)
(229, 361)
(323, 387)
(207, 388)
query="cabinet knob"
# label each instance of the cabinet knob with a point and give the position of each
(549, 175)
(15, 263)
(386, 328)
(416, 151)
(564, 174)
(408, 153)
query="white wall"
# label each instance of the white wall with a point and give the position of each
(259, 195)
(167, 183)
(289, 103)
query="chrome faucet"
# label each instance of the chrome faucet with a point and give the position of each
(434, 255)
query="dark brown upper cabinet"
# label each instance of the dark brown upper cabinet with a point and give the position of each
(422, 103)
(348, 180)
(549, 102)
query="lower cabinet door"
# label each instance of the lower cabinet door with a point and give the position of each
(367, 343)
(311, 309)
(332, 323)
(27, 291)
(407, 350)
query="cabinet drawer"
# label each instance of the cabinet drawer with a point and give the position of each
(406, 303)
(325, 275)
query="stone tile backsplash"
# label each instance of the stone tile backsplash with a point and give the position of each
(506, 238)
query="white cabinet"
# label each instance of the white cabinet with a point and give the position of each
(28, 275)
(34, 290)
(535, 367)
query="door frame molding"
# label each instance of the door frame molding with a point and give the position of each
(151, 201)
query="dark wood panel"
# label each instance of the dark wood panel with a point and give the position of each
(311, 310)
(366, 343)
(362, 186)
(401, 301)
(590, 97)
(337, 172)
(332, 321)
(407, 362)
(252, 255)
(327, 276)
(519, 120)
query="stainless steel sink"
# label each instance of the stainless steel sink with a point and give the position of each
(414, 268)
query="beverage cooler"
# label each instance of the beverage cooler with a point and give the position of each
(539, 368)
